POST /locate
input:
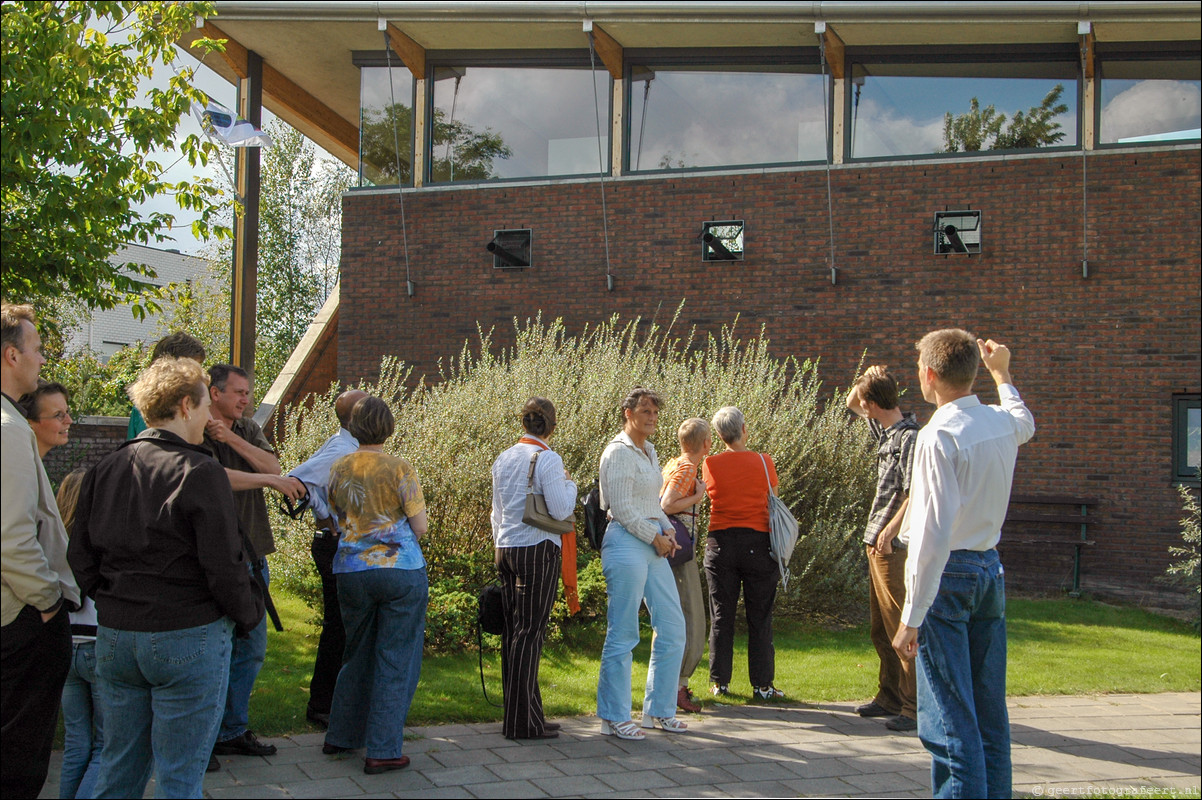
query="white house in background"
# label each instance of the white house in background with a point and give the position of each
(107, 331)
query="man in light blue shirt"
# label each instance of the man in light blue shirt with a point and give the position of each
(954, 617)
(315, 475)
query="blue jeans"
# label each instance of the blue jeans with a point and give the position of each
(245, 662)
(384, 613)
(162, 697)
(635, 573)
(962, 719)
(83, 725)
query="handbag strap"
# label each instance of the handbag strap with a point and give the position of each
(767, 477)
(530, 474)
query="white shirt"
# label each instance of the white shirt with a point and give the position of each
(509, 473)
(315, 473)
(630, 481)
(963, 470)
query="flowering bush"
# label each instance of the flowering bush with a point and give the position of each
(453, 430)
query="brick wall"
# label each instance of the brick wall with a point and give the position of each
(1098, 359)
(91, 439)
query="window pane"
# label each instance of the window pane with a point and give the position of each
(382, 123)
(517, 122)
(1150, 101)
(904, 109)
(1193, 439)
(716, 117)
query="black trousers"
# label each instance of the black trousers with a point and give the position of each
(332, 643)
(34, 659)
(738, 558)
(529, 579)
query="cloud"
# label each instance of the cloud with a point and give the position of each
(1151, 107)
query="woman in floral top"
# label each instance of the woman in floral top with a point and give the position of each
(382, 589)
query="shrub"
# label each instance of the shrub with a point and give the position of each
(453, 431)
(1186, 571)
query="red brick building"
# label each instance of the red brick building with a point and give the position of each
(1089, 255)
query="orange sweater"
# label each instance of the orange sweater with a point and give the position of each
(738, 493)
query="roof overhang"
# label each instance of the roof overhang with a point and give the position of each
(311, 83)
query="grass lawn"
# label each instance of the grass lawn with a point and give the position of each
(1058, 646)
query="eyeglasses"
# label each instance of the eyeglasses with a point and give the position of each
(57, 416)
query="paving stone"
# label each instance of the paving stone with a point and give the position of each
(754, 789)
(635, 781)
(447, 793)
(819, 787)
(525, 770)
(463, 758)
(881, 782)
(330, 787)
(763, 771)
(574, 786)
(516, 789)
(594, 765)
(260, 773)
(233, 792)
(695, 774)
(459, 776)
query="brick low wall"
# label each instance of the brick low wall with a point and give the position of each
(91, 439)
(1098, 359)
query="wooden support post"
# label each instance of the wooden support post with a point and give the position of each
(413, 55)
(246, 225)
(609, 51)
(1089, 87)
(836, 64)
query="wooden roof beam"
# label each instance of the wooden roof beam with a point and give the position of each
(412, 54)
(234, 54)
(834, 50)
(609, 50)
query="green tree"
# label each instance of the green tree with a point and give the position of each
(460, 151)
(981, 129)
(79, 145)
(300, 225)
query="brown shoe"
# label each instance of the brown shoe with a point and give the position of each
(374, 766)
(685, 701)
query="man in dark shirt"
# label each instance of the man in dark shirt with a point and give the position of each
(239, 445)
(874, 397)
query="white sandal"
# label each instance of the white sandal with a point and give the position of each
(623, 730)
(669, 724)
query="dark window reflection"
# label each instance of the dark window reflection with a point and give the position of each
(385, 119)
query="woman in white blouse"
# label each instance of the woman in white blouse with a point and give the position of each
(528, 560)
(633, 558)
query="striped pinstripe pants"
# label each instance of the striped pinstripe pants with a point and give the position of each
(529, 580)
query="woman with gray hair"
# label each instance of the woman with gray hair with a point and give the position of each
(738, 482)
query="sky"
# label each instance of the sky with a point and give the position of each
(179, 169)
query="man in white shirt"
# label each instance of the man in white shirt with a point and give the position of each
(954, 618)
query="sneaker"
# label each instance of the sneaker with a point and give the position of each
(900, 723)
(685, 701)
(245, 745)
(767, 693)
(720, 690)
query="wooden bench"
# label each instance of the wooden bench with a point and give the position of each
(1053, 510)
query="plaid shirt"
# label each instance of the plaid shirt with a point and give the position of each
(894, 463)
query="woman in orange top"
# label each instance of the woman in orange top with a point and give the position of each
(736, 556)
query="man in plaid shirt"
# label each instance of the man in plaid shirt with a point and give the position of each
(874, 397)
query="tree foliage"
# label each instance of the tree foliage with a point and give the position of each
(982, 129)
(80, 146)
(460, 151)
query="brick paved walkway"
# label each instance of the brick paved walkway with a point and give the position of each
(1060, 744)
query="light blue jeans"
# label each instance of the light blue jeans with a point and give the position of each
(245, 662)
(634, 574)
(384, 613)
(162, 695)
(83, 725)
(962, 719)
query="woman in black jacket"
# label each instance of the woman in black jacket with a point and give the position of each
(156, 544)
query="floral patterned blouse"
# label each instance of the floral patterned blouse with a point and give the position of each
(373, 495)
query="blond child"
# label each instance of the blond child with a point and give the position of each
(681, 493)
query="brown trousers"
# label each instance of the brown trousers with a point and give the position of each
(886, 596)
